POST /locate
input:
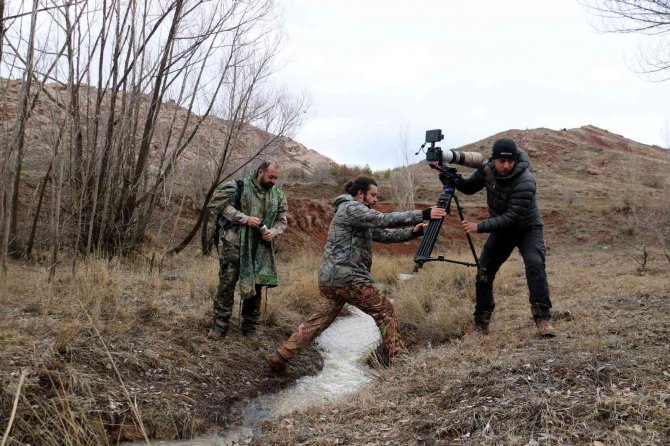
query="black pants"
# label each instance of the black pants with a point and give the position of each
(497, 249)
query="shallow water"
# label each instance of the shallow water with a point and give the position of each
(343, 346)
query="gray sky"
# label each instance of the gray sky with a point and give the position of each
(379, 69)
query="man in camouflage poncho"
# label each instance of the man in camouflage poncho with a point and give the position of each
(345, 277)
(251, 214)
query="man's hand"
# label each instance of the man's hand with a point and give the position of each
(253, 222)
(469, 227)
(269, 235)
(418, 229)
(436, 213)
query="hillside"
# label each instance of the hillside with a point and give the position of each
(585, 175)
(47, 112)
(587, 181)
(186, 156)
(114, 348)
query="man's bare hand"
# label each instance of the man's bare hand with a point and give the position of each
(469, 227)
(253, 222)
(269, 235)
(436, 213)
(418, 229)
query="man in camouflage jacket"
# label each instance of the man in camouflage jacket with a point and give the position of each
(345, 277)
(514, 222)
(251, 214)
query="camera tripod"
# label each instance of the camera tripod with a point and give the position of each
(448, 176)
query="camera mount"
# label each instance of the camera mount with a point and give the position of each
(448, 176)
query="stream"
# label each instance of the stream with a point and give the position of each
(344, 345)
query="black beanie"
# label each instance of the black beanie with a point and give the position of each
(505, 148)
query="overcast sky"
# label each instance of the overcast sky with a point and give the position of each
(378, 69)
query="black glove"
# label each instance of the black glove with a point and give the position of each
(426, 213)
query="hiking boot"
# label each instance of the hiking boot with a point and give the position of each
(216, 334)
(477, 330)
(248, 331)
(545, 329)
(276, 362)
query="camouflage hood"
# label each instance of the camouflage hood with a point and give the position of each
(340, 200)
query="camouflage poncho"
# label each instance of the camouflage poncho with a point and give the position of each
(257, 262)
(348, 255)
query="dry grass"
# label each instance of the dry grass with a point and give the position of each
(603, 381)
(154, 323)
(97, 287)
(117, 350)
(299, 286)
(432, 306)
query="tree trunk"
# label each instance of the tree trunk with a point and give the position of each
(150, 122)
(202, 215)
(4, 229)
(33, 229)
(15, 246)
(206, 241)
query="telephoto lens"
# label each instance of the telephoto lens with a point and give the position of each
(469, 159)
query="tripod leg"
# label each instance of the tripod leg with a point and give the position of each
(472, 245)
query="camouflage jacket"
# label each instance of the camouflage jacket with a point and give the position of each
(511, 199)
(348, 255)
(222, 206)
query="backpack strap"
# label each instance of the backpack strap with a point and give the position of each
(218, 225)
(238, 194)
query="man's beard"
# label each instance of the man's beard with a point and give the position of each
(266, 186)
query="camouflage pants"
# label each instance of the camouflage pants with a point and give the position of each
(229, 273)
(367, 298)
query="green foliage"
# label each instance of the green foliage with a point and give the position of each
(367, 170)
(334, 169)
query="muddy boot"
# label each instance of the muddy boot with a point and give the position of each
(277, 362)
(216, 334)
(477, 330)
(248, 330)
(251, 314)
(545, 329)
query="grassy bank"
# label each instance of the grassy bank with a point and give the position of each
(603, 381)
(117, 350)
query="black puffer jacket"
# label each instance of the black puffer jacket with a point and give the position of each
(511, 199)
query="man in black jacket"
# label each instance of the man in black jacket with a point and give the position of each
(514, 221)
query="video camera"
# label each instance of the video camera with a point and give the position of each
(449, 177)
(434, 154)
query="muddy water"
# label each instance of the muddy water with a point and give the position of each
(343, 345)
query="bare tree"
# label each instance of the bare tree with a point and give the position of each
(280, 113)
(639, 16)
(19, 136)
(648, 227)
(4, 171)
(403, 183)
(108, 69)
